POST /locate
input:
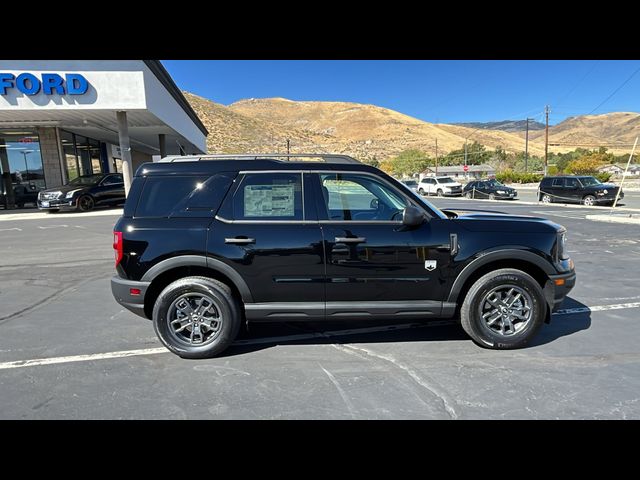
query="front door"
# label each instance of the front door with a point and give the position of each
(375, 265)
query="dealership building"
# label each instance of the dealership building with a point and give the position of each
(63, 118)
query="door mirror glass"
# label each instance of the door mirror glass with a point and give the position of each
(412, 217)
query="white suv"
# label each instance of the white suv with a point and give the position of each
(441, 186)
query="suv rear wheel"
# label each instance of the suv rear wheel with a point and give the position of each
(503, 309)
(196, 317)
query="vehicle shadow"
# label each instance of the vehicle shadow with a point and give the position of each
(262, 336)
(563, 324)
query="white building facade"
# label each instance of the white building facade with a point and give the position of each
(59, 118)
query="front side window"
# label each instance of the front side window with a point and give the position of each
(590, 181)
(360, 198)
(269, 196)
(446, 180)
(113, 180)
(572, 183)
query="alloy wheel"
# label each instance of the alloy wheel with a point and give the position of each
(194, 319)
(506, 310)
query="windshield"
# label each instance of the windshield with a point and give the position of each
(494, 183)
(446, 180)
(410, 183)
(590, 181)
(86, 180)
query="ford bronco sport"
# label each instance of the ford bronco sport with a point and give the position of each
(206, 243)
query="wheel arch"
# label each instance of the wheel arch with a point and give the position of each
(167, 271)
(524, 260)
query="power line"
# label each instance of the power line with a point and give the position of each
(616, 90)
(579, 82)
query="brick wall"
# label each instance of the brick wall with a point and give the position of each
(50, 156)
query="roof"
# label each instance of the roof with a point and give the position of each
(208, 164)
(163, 76)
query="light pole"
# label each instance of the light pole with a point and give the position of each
(26, 165)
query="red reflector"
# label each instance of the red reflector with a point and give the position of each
(134, 291)
(117, 246)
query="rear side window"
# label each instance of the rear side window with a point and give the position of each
(183, 196)
(269, 196)
(558, 182)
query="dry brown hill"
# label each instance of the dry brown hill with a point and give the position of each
(369, 131)
(587, 130)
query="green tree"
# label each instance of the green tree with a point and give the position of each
(410, 162)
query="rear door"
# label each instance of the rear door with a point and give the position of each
(267, 231)
(374, 264)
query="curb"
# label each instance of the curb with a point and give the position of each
(627, 219)
(52, 216)
(540, 204)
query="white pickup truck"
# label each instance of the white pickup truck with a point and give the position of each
(441, 186)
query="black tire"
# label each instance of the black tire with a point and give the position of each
(492, 196)
(589, 200)
(225, 303)
(421, 191)
(476, 327)
(439, 192)
(546, 198)
(467, 195)
(86, 203)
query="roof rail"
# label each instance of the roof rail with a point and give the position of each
(279, 157)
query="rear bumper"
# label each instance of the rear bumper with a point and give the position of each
(121, 290)
(555, 293)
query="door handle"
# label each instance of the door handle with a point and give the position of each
(240, 241)
(350, 240)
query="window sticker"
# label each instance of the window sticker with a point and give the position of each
(269, 201)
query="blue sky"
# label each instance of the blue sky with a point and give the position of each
(435, 91)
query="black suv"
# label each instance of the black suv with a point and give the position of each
(491, 189)
(208, 242)
(22, 194)
(84, 193)
(577, 189)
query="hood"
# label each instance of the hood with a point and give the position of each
(488, 221)
(66, 188)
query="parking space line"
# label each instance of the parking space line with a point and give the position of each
(284, 338)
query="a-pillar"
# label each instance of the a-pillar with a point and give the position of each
(125, 149)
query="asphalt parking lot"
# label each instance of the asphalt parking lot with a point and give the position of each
(69, 351)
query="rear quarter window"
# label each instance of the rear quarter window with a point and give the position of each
(184, 196)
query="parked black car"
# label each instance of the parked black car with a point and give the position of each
(577, 189)
(23, 193)
(207, 244)
(491, 189)
(83, 193)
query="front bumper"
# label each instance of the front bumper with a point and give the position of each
(121, 289)
(507, 195)
(608, 198)
(60, 204)
(558, 287)
(452, 193)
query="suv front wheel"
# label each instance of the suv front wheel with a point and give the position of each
(503, 309)
(196, 317)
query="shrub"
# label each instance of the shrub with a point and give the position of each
(509, 176)
(603, 177)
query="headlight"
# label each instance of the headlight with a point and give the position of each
(605, 191)
(70, 194)
(562, 245)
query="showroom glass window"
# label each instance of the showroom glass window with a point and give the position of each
(82, 154)
(20, 156)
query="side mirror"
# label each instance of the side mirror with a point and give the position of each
(412, 217)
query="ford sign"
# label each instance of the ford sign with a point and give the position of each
(50, 84)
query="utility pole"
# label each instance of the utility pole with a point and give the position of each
(465, 156)
(526, 148)
(546, 140)
(288, 145)
(436, 157)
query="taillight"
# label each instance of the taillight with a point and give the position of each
(117, 246)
